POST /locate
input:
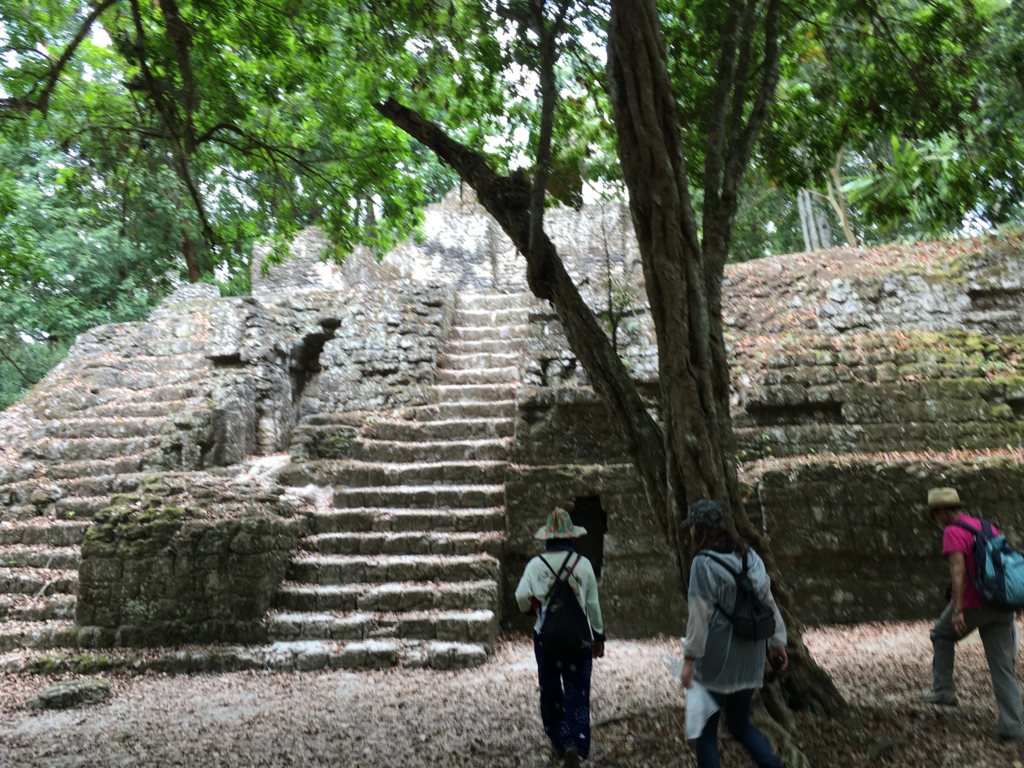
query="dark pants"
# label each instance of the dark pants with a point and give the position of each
(736, 707)
(564, 699)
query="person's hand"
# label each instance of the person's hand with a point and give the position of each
(686, 678)
(775, 655)
(598, 649)
(959, 625)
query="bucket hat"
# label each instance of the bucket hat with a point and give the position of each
(704, 513)
(943, 497)
(560, 526)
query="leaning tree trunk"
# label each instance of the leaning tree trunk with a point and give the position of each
(684, 286)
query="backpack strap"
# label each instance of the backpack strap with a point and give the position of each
(971, 528)
(558, 573)
(735, 574)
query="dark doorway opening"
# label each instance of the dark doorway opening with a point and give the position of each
(588, 513)
(305, 362)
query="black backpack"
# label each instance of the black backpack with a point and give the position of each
(751, 619)
(565, 632)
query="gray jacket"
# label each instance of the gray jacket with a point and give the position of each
(724, 662)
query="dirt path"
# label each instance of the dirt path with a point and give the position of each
(488, 717)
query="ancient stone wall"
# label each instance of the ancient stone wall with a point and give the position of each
(855, 539)
(445, 407)
(565, 449)
(183, 561)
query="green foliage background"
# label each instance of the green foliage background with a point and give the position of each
(258, 120)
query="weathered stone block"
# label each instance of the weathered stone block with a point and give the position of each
(165, 575)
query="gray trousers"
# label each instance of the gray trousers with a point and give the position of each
(996, 630)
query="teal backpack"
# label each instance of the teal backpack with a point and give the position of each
(999, 568)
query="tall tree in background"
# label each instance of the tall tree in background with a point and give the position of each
(144, 143)
(247, 104)
(689, 455)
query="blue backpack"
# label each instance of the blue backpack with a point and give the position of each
(999, 568)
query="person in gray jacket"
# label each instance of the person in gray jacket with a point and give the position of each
(729, 667)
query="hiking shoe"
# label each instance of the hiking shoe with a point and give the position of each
(572, 757)
(946, 698)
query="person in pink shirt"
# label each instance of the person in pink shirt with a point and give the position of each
(966, 612)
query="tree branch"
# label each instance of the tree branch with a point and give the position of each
(548, 56)
(714, 159)
(14, 365)
(181, 37)
(507, 199)
(179, 153)
(42, 102)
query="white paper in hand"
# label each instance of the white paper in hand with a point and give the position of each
(700, 705)
(673, 664)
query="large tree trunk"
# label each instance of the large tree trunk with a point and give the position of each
(507, 199)
(684, 286)
(188, 250)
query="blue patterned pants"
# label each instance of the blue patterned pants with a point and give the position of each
(564, 699)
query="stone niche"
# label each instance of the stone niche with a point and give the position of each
(160, 567)
(854, 539)
(566, 454)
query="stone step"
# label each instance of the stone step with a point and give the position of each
(41, 635)
(114, 466)
(104, 427)
(474, 393)
(427, 431)
(80, 507)
(356, 569)
(138, 381)
(470, 318)
(381, 520)
(485, 346)
(489, 332)
(452, 626)
(141, 410)
(43, 531)
(447, 450)
(42, 608)
(38, 581)
(401, 543)
(102, 485)
(499, 409)
(155, 394)
(478, 360)
(491, 301)
(310, 655)
(153, 364)
(85, 449)
(421, 496)
(396, 596)
(40, 556)
(508, 374)
(366, 473)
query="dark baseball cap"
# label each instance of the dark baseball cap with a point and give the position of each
(704, 513)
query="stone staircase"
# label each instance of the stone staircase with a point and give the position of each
(404, 566)
(78, 458)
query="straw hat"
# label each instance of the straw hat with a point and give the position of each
(560, 526)
(939, 498)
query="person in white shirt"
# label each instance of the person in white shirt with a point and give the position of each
(728, 666)
(564, 685)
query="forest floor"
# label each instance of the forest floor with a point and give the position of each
(487, 716)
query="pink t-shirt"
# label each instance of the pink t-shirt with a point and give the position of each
(956, 539)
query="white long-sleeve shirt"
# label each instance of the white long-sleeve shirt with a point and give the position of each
(538, 579)
(724, 662)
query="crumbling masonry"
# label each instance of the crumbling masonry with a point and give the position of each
(346, 468)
